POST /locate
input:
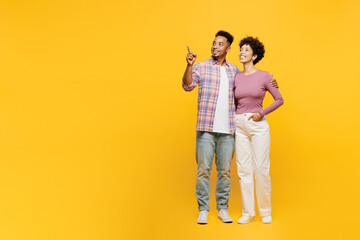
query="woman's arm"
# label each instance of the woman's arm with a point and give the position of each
(275, 94)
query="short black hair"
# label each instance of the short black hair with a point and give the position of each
(227, 35)
(257, 47)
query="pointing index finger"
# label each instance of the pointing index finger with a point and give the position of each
(189, 49)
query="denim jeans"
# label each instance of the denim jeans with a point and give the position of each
(208, 144)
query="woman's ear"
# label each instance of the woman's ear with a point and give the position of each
(254, 57)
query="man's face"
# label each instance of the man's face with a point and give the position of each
(220, 47)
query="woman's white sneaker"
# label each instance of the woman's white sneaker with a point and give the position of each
(267, 219)
(203, 217)
(246, 219)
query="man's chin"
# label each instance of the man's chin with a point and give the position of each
(215, 56)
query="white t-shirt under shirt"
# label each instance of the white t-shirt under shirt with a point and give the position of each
(221, 119)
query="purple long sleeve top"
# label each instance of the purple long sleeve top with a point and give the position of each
(250, 92)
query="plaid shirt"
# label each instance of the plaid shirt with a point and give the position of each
(206, 74)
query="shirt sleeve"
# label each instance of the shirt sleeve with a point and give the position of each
(234, 90)
(275, 94)
(237, 72)
(195, 77)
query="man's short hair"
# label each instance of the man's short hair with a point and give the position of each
(225, 34)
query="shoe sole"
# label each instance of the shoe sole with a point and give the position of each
(225, 221)
(266, 222)
(202, 222)
(251, 220)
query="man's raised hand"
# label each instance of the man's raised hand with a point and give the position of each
(190, 57)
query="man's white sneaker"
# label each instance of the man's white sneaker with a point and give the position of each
(223, 215)
(203, 217)
(267, 219)
(246, 219)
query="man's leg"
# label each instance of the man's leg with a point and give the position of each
(224, 153)
(205, 148)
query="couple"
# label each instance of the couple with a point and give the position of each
(230, 103)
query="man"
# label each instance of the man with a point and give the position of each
(215, 122)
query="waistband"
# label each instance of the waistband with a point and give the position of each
(244, 114)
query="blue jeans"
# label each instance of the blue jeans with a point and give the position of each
(208, 144)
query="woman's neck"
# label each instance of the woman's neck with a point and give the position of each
(249, 68)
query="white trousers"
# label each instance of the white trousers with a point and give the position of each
(252, 144)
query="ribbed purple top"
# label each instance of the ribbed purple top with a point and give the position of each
(250, 92)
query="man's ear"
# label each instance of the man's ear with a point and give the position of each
(228, 49)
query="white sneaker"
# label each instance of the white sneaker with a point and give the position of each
(267, 219)
(246, 219)
(224, 216)
(203, 217)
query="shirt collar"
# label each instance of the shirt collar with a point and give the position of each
(213, 61)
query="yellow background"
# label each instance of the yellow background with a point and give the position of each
(97, 137)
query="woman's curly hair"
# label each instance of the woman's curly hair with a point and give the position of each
(256, 46)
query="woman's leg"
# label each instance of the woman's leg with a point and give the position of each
(244, 164)
(260, 142)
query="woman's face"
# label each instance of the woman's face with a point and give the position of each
(246, 54)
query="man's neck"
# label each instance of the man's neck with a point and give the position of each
(220, 60)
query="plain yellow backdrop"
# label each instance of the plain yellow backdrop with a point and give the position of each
(97, 137)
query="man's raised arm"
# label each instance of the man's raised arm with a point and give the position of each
(190, 59)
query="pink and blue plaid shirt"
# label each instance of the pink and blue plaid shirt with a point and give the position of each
(206, 74)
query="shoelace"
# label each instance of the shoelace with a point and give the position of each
(224, 213)
(202, 214)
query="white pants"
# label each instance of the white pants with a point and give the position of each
(252, 144)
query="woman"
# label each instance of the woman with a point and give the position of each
(252, 137)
